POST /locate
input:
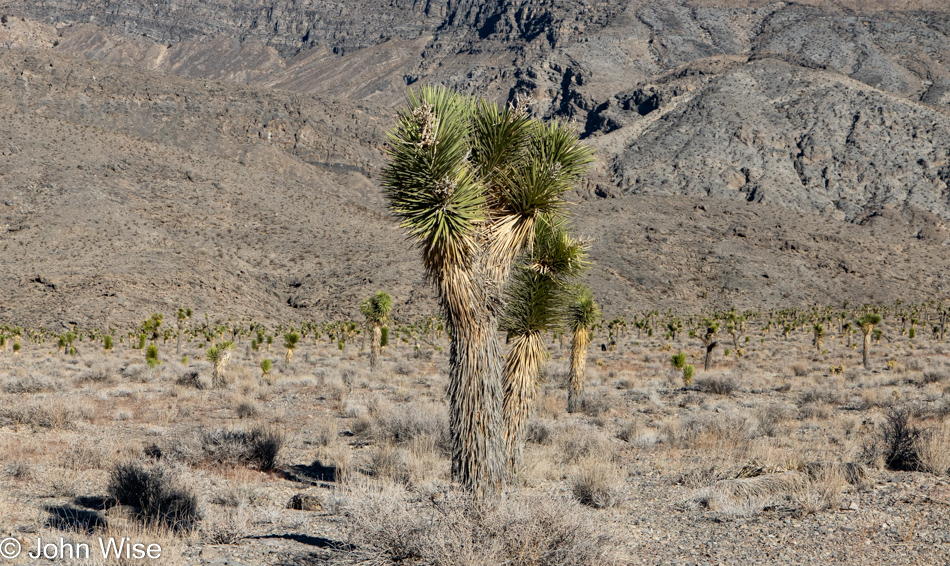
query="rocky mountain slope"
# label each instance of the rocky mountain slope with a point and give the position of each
(224, 154)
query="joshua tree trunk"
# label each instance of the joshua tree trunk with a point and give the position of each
(217, 375)
(288, 356)
(475, 397)
(575, 395)
(866, 355)
(522, 366)
(375, 347)
(707, 362)
(178, 347)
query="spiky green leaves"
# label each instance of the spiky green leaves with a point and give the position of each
(584, 312)
(218, 352)
(291, 339)
(429, 182)
(456, 166)
(538, 297)
(376, 309)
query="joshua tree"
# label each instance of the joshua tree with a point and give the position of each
(678, 360)
(290, 342)
(152, 326)
(469, 180)
(867, 322)
(183, 316)
(151, 356)
(219, 355)
(376, 310)
(535, 305)
(582, 315)
(819, 331)
(709, 340)
(266, 365)
(688, 372)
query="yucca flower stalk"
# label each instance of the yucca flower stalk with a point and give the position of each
(469, 180)
(536, 303)
(219, 355)
(583, 314)
(376, 310)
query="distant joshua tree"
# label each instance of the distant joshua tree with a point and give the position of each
(180, 319)
(867, 322)
(819, 332)
(584, 313)
(219, 355)
(709, 340)
(290, 342)
(376, 310)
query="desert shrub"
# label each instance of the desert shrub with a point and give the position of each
(246, 410)
(595, 404)
(799, 370)
(718, 385)
(899, 441)
(933, 449)
(934, 375)
(389, 462)
(575, 444)
(538, 432)
(259, 447)
(100, 373)
(731, 430)
(190, 378)
(157, 494)
(405, 423)
(818, 396)
(30, 384)
(382, 529)
(598, 483)
(40, 415)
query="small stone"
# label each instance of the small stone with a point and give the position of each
(854, 505)
(304, 502)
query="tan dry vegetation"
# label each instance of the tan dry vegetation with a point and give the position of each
(758, 448)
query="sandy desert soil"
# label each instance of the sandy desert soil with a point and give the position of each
(647, 474)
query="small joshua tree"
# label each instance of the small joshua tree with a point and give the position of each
(376, 310)
(867, 322)
(266, 365)
(709, 340)
(679, 360)
(151, 356)
(107, 343)
(180, 319)
(290, 342)
(219, 355)
(582, 316)
(688, 372)
(819, 332)
(152, 326)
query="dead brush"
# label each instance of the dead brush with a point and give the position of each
(598, 483)
(446, 530)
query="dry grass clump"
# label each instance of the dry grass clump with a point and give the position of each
(383, 528)
(599, 483)
(731, 430)
(403, 424)
(932, 447)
